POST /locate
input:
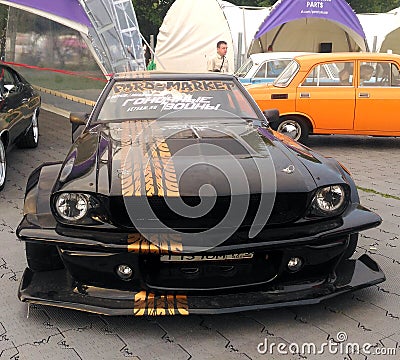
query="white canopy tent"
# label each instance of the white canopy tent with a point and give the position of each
(191, 29)
(382, 30)
(243, 23)
(189, 35)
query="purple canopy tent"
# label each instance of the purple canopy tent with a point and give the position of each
(336, 12)
(57, 10)
(116, 48)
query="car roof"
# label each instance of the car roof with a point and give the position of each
(343, 56)
(258, 57)
(164, 75)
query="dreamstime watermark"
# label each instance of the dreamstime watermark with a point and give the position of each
(340, 346)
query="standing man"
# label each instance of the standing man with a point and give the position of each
(219, 63)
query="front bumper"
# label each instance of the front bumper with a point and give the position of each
(58, 288)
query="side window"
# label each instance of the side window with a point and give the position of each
(275, 67)
(261, 73)
(394, 75)
(315, 76)
(384, 74)
(345, 74)
(330, 74)
(369, 73)
(9, 82)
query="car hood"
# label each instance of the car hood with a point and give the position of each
(182, 158)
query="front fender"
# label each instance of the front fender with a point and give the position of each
(39, 188)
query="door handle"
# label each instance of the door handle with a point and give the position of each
(305, 95)
(363, 95)
(24, 100)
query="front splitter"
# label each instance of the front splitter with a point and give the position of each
(57, 288)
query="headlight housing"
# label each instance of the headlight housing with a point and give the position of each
(330, 200)
(76, 208)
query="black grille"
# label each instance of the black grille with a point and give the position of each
(288, 207)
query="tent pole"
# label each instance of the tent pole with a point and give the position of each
(239, 52)
(244, 35)
(348, 41)
(276, 35)
(152, 51)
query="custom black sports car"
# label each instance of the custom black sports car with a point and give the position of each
(177, 198)
(19, 111)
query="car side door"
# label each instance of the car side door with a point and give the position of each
(326, 99)
(378, 97)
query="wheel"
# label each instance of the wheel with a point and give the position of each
(42, 257)
(3, 165)
(352, 246)
(294, 127)
(31, 138)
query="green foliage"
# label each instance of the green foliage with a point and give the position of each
(150, 15)
(363, 6)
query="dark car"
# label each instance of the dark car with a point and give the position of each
(19, 112)
(176, 197)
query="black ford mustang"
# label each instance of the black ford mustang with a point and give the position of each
(177, 198)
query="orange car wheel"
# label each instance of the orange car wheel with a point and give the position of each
(294, 127)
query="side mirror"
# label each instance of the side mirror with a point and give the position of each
(272, 115)
(77, 119)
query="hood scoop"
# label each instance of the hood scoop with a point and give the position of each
(209, 142)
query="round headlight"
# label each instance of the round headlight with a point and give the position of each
(72, 206)
(330, 199)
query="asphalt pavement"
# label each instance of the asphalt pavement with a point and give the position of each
(366, 316)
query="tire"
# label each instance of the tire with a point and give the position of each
(3, 165)
(31, 138)
(352, 246)
(293, 126)
(42, 257)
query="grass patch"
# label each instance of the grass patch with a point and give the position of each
(372, 191)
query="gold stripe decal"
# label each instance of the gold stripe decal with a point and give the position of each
(154, 243)
(154, 305)
(146, 165)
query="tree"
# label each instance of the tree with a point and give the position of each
(150, 15)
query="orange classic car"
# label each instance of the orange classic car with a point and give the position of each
(335, 93)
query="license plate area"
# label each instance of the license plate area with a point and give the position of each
(190, 273)
(187, 258)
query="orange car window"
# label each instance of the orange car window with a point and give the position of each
(330, 74)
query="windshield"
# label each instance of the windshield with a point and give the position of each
(145, 99)
(245, 68)
(287, 75)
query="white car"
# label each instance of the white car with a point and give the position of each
(264, 67)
